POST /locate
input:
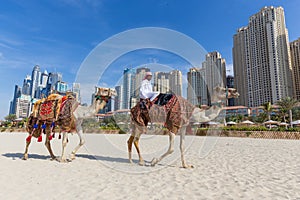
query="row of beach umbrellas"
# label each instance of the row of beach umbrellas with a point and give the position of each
(269, 122)
(248, 122)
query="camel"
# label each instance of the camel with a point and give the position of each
(177, 114)
(66, 113)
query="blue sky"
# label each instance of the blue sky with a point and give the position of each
(58, 35)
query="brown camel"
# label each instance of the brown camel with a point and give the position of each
(176, 114)
(66, 113)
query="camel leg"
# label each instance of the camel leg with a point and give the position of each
(64, 144)
(136, 144)
(48, 144)
(170, 150)
(81, 140)
(129, 144)
(182, 137)
(25, 157)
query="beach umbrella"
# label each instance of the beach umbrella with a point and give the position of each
(213, 123)
(270, 122)
(283, 124)
(231, 123)
(297, 122)
(248, 122)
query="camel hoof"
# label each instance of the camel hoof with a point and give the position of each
(63, 160)
(72, 156)
(54, 158)
(188, 166)
(142, 163)
(25, 157)
(130, 161)
(154, 162)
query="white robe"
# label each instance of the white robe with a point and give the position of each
(146, 91)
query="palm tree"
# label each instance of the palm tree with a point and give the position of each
(11, 117)
(282, 114)
(287, 104)
(268, 109)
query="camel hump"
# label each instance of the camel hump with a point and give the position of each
(53, 97)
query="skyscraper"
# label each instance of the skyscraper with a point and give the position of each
(26, 85)
(53, 78)
(261, 59)
(118, 98)
(23, 106)
(241, 66)
(61, 87)
(175, 80)
(17, 94)
(44, 79)
(76, 91)
(197, 88)
(161, 82)
(230, 84)
(35, 80)
(215, 72)
(128, 87)
(295, 60)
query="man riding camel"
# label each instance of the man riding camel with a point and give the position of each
(146, 91)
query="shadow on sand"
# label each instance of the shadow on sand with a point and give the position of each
(104, 158)
(15, 156)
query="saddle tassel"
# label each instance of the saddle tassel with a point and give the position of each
(28, 139)
(40, 138)
(53, 133)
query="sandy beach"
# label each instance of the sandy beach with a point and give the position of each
(224, 168)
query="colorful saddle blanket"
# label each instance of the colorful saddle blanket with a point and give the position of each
(162, 99)
(175, 112)
(47, 110)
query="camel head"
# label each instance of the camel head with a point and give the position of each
(102, 96)
(219, 97)
(221, 93)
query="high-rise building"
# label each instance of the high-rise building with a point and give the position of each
(118, 98)
(161, 82)
(215, 72)
(197, 88)
(128, 87)
(261, 59)
(23, 106)
(76, 91)
(35, 80)
(241, 66)
(26, 85)
(44, 79)
(139, 77)
(17, 94)
(53, 78)
(230, 84)
(295, 60)
(175, 80)
(61, 87)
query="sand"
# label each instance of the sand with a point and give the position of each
(224, 168)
